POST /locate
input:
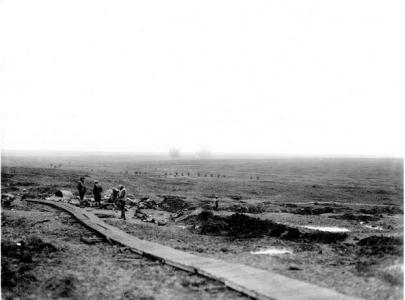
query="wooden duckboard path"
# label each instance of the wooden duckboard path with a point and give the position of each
(256, 283)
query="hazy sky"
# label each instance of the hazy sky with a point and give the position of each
(292, 77)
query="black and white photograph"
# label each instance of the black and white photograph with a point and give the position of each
(164, 150)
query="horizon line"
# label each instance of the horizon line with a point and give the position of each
(190, 154)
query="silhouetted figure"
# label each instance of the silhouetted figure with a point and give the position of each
(216, 202)
(122, 196)
(113, 196)
(82, 189)
(97, 190)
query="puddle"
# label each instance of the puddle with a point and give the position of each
(328, 229)
(373, 227)
(272, 251)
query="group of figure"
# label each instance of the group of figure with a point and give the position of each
(118, 196)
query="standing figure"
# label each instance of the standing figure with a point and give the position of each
(97, 189)
(122, 195)
(113, 196)
(82, 189)
(216, 203)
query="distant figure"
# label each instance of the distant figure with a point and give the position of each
(82, 189)
(97, 189)
(122, 195)
(216, 203)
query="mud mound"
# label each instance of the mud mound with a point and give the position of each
(357, 217)
(390, 210)
(243, 226)
(173, 203)
(380, 246)
(64, 287)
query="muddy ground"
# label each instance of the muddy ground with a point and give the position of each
(45, 256)
(364, 198)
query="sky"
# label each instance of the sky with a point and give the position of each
(275, 77)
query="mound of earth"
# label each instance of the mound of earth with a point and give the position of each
(357, 217)
(243, 226)
(389, 210)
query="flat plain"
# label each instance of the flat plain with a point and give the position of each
(265, 206)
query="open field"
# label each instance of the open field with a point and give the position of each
(363, 196)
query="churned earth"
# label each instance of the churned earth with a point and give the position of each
(271, 216)
(45, 256)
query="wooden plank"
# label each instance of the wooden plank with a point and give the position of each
(256, 283)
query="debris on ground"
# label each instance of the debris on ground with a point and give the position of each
(7, 199)
(40, 222)
(184, 214)
(161, 221)
(64, 194)
(173, 203)
(91, 240)
(147, 203)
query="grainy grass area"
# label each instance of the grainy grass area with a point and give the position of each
(49, 260)
(362, 195)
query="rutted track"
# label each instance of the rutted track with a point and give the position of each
(257, 283)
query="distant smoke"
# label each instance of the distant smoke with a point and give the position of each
(174, 153)
(204, 153)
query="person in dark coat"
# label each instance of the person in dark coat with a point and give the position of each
(81, 188)
(216, 202)
(97, 190)
(113, 196)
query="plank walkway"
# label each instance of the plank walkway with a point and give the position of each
(256, 283)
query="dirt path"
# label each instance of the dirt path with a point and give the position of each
(57, 264)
